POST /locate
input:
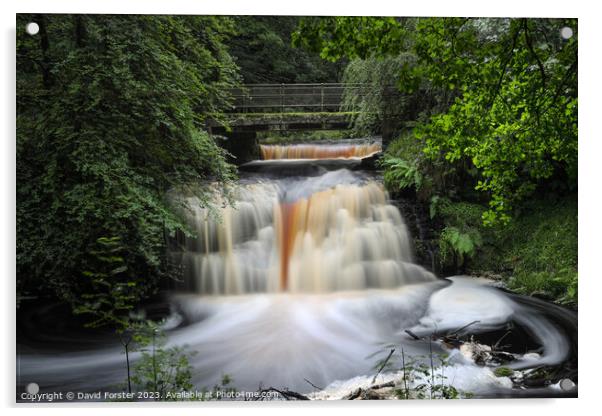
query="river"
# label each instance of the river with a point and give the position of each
(307, 282)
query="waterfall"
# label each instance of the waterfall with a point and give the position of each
(311, 151)
(334, 232)
(318, 267)
(230, 250)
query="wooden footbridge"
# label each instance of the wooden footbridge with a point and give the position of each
(285, 107)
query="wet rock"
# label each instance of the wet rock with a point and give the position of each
(480, 354)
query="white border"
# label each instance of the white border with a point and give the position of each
(589, 201)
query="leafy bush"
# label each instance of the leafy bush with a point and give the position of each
(113, 292)
(461, 235)
(159, 370)
(458, 245)
(163, 370)
(400, 174)
(515, 118)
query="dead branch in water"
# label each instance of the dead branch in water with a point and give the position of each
(312, 384)
(413, 335)
(457, 331)
(497, 344)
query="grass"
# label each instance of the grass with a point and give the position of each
(537, 252)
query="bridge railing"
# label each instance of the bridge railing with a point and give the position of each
(281, 98)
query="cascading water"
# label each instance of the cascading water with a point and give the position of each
(335, 232)
(310, 278)
(313, 151)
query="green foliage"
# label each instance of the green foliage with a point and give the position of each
(164, 370)
(159, 370)
(405, 167)
(461, 235)
(111, 112)
(511, 85)
(453, 242)
(372, 92)
(422, 377)
(262, 48)
(353, 37)
(571, 283)
(537, 251)
(113, 292)
(400, 174)
(538, 248)
(560, 286)
(406, 146)
(515, 116)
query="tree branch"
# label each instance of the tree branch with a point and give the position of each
(530, 46)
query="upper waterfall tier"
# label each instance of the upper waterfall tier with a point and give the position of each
(319, 151)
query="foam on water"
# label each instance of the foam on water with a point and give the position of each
(282, 339)
(309, 279)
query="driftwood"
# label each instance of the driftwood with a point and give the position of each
(452, 339)
(368, 393)
(482, 354)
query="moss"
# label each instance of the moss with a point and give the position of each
(503, 372)
(284, 137)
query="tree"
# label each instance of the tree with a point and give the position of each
(262, 48)
(512, 117)
(111, 112)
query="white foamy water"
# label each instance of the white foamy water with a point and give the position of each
(333, 232)
(333, 340)
(310, 279)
